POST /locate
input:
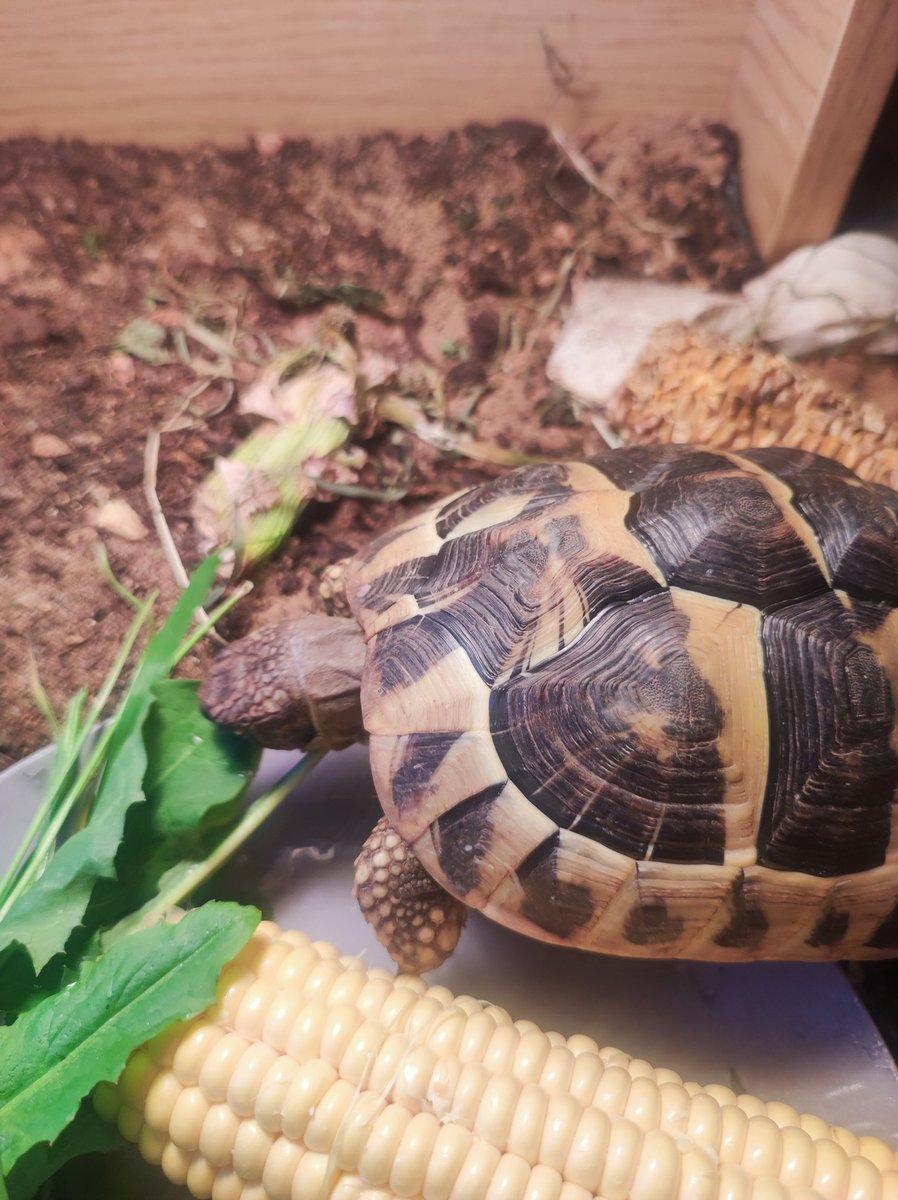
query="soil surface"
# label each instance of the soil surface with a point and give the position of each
(457, 255)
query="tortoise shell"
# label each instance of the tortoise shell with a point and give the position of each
(646, 704)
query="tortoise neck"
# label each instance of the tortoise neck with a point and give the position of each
(328, 657)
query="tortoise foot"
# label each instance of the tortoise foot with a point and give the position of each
(418, 921)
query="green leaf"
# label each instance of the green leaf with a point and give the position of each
(57, 1052)
(17, 978)
(196, 778)
(198, 772)
(43, 918)
(86, 1134)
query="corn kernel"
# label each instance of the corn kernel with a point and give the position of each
(376, 1161)
(218, 1135)
(830, 1170)
(193, 1050)
(496, 1110)
(252, 1146)
(450, 1149)
(215, 1073)
(658, 1171)
(589, 1145)
(200, 1178)
(243, 1088)
(187, 1118)
(280, 1168)
(413, 1154)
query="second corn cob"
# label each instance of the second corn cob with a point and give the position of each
(314, 1078)
(695, 386)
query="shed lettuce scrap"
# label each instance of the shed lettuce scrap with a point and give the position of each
(139, 811)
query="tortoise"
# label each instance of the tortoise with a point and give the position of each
(642, 704)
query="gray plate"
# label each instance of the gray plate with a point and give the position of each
(786, 1031)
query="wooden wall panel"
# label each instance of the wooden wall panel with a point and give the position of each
(812, 80)
(173, 71)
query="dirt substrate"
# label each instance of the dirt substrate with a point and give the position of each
(461, 252)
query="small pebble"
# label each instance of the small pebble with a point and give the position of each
(268, 144)
(118, 517)
(122, 367)
(48, 445)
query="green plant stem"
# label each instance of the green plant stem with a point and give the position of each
(54, 810)
(213, 618)
(113, 675)
(256, 813)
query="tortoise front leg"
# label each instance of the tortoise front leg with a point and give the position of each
(417, 920)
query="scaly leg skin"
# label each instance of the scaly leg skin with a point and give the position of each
(411, 914)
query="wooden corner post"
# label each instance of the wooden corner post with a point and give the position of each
(811, 82)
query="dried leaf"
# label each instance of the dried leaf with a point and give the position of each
(610, 324)
(145, 340)
(819, 297)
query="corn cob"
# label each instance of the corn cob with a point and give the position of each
(313, 1078)
(694, 386)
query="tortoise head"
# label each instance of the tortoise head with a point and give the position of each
(292, 685)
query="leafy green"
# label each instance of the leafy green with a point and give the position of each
(55, 1053)
(197, 772)
(139, 812)
(70, 782)
(43, 918)
(196, 779)
(185, 877)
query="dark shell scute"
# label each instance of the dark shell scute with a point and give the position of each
(402, 654)
(885, 935)
(788, 464)
(726, 536)
(833, 773)
(651, 924)
(618, 737)
(830, 929)
(490, 618)
(409, 578)
(555, 905)
(463, 836)
(636, 468)
(421, 757)
(858, 536)
(748, 924)
(487, 592)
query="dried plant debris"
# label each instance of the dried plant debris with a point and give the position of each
(842, 292)
(310, 403)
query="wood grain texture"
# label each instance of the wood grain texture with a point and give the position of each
(174, 71)
(811, 83)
